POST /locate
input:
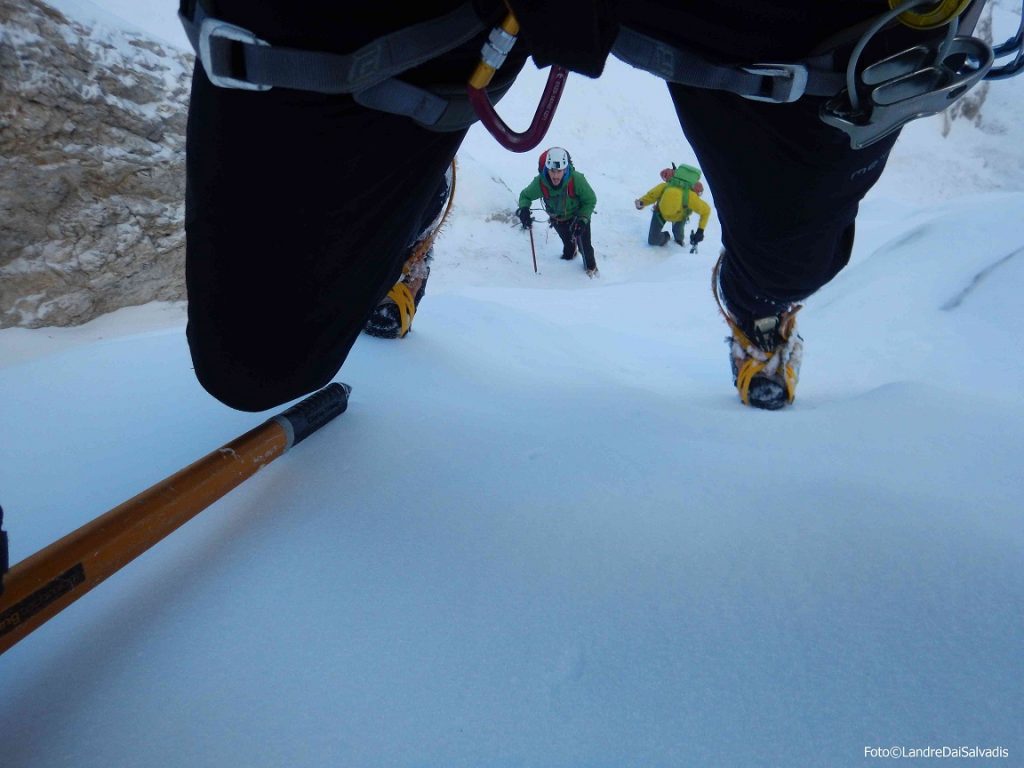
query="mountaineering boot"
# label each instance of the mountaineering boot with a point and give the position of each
(569, 256)
(766, 362)
(393, 315)
(765, 357)
(665, 237)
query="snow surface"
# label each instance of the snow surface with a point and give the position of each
(546, 533)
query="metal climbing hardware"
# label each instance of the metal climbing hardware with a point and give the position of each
(216, 39)
(920, 81)
(879, 98)
(905, 87)
(866, 103)
(774, 82)
(492, 56)
(237, 58)
(788, 82)
(938, 14)
(1012, 47)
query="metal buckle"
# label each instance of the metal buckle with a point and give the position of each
(905, 87)
(792, 76)
(213, 30)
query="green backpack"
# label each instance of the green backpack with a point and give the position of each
(685, 177)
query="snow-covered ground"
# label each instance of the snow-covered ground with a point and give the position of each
(545, 533)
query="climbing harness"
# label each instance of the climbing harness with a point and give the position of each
(234, 57)
(919, 81)
(866, 103)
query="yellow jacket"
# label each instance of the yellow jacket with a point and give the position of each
(671, 207)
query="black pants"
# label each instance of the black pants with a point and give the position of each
(575, 235)
(299, 206)
(654, 234)
(787, 188)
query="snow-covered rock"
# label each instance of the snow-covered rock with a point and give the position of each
(92, 137)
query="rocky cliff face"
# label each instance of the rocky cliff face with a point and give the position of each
(92, 168)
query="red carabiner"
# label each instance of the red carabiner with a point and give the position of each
(531, 137)
(493, 56)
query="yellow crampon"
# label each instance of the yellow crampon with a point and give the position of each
(757, 360)
(400, 293)
(752, 365)
(406, 304)
(746, 374)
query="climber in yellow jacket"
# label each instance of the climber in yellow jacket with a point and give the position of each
(677, 196)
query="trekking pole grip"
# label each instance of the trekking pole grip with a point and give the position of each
(5, 560)
(306, 417)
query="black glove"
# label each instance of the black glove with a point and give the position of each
(696, 236)
(525, 218)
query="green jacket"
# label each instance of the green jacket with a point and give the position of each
(558, 203)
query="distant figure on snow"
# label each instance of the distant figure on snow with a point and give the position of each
(677, 197)
(569, 202)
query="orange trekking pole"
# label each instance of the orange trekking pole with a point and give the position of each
(43, 584)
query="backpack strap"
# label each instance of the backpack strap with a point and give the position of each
(570, 190)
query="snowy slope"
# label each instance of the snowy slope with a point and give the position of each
(545, 533)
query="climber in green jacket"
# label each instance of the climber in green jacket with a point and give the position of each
(569, 202)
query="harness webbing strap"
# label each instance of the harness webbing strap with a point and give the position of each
(775, 82)
(439, 109)
(267, 66)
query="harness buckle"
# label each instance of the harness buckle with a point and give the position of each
(217, 40)
(788, 81)
(904, 87)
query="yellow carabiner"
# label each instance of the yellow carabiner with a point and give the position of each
(943, 13)
(484, 71)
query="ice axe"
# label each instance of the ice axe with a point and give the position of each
(43, 584)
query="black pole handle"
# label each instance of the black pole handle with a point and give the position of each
(5, 555)
(306, 417)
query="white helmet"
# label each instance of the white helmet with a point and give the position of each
(557, 159)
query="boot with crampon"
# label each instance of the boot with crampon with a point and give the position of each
(765, 354)
(392, 317)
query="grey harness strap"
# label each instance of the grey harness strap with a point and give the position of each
(775, 82)
(234, 57)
